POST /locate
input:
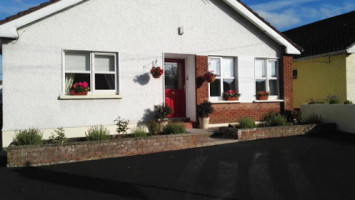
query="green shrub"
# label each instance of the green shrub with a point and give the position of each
(153, 127)
(333, 99)
(313, 119)
(348, 102)
(161, 111)
(28, 137)
(97, 133)
(273, 119)
(174, 128)
(204, 109)
(59, 136)
(246, 122)
(317, 101)
(122, 125)
(139, 132)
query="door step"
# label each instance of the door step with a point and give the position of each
(187, 122)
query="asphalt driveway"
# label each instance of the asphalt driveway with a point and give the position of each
(302, 167)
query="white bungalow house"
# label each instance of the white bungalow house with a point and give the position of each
(113, 44)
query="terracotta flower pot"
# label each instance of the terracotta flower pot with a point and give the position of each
(72, 92)
(262, 97)
(231, 98)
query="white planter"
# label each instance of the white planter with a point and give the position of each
(204, 121)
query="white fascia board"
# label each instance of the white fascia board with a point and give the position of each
(9, 29)
(351, 49)
(241, 9)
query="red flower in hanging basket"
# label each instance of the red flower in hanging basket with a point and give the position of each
(156, 72)
(209, 77)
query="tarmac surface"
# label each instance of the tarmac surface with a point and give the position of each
(301, 167)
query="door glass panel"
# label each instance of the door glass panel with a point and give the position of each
(214, 66)
(260, 68)
(228, 67)
(260, 85)
(173, 75)
(215, 88)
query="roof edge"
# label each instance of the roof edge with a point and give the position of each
(351, 48)
(333, 53)
(266, 28)
(9, 29)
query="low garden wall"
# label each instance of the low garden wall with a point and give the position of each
(275, 132)
(341, 114)
(20, 156)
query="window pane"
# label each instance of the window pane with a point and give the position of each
(228, 67)
(228, 84)
(215, 88)
(260, 85)
(77, 61)
(260, 68)
(214, 66)
(272, 69)
(104, 81)
(71, 78)
(104, 63)
(273, 87)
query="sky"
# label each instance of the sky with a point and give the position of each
(282, 14)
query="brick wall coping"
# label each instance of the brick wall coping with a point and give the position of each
(277, 131)
(48, 154)
(100, 141)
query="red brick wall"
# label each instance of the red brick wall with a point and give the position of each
(201, 63)
(286, 82)
(52, 154)
(227, 113)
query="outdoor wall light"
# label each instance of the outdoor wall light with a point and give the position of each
(181, 30)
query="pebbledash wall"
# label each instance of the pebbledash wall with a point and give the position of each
(140, 32)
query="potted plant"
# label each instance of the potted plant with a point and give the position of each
(209, 76)
(203, 111)
(80, 88)
(231, 95)
(262, 95)
(161, 113)
(156, 72)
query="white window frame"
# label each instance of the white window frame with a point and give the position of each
(267, 78)
(221, 77)
(92, 71)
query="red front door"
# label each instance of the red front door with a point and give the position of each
(175, 96)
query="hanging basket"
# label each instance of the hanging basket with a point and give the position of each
(156, 72)
(156, 75)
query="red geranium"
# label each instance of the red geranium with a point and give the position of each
(156, 71)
